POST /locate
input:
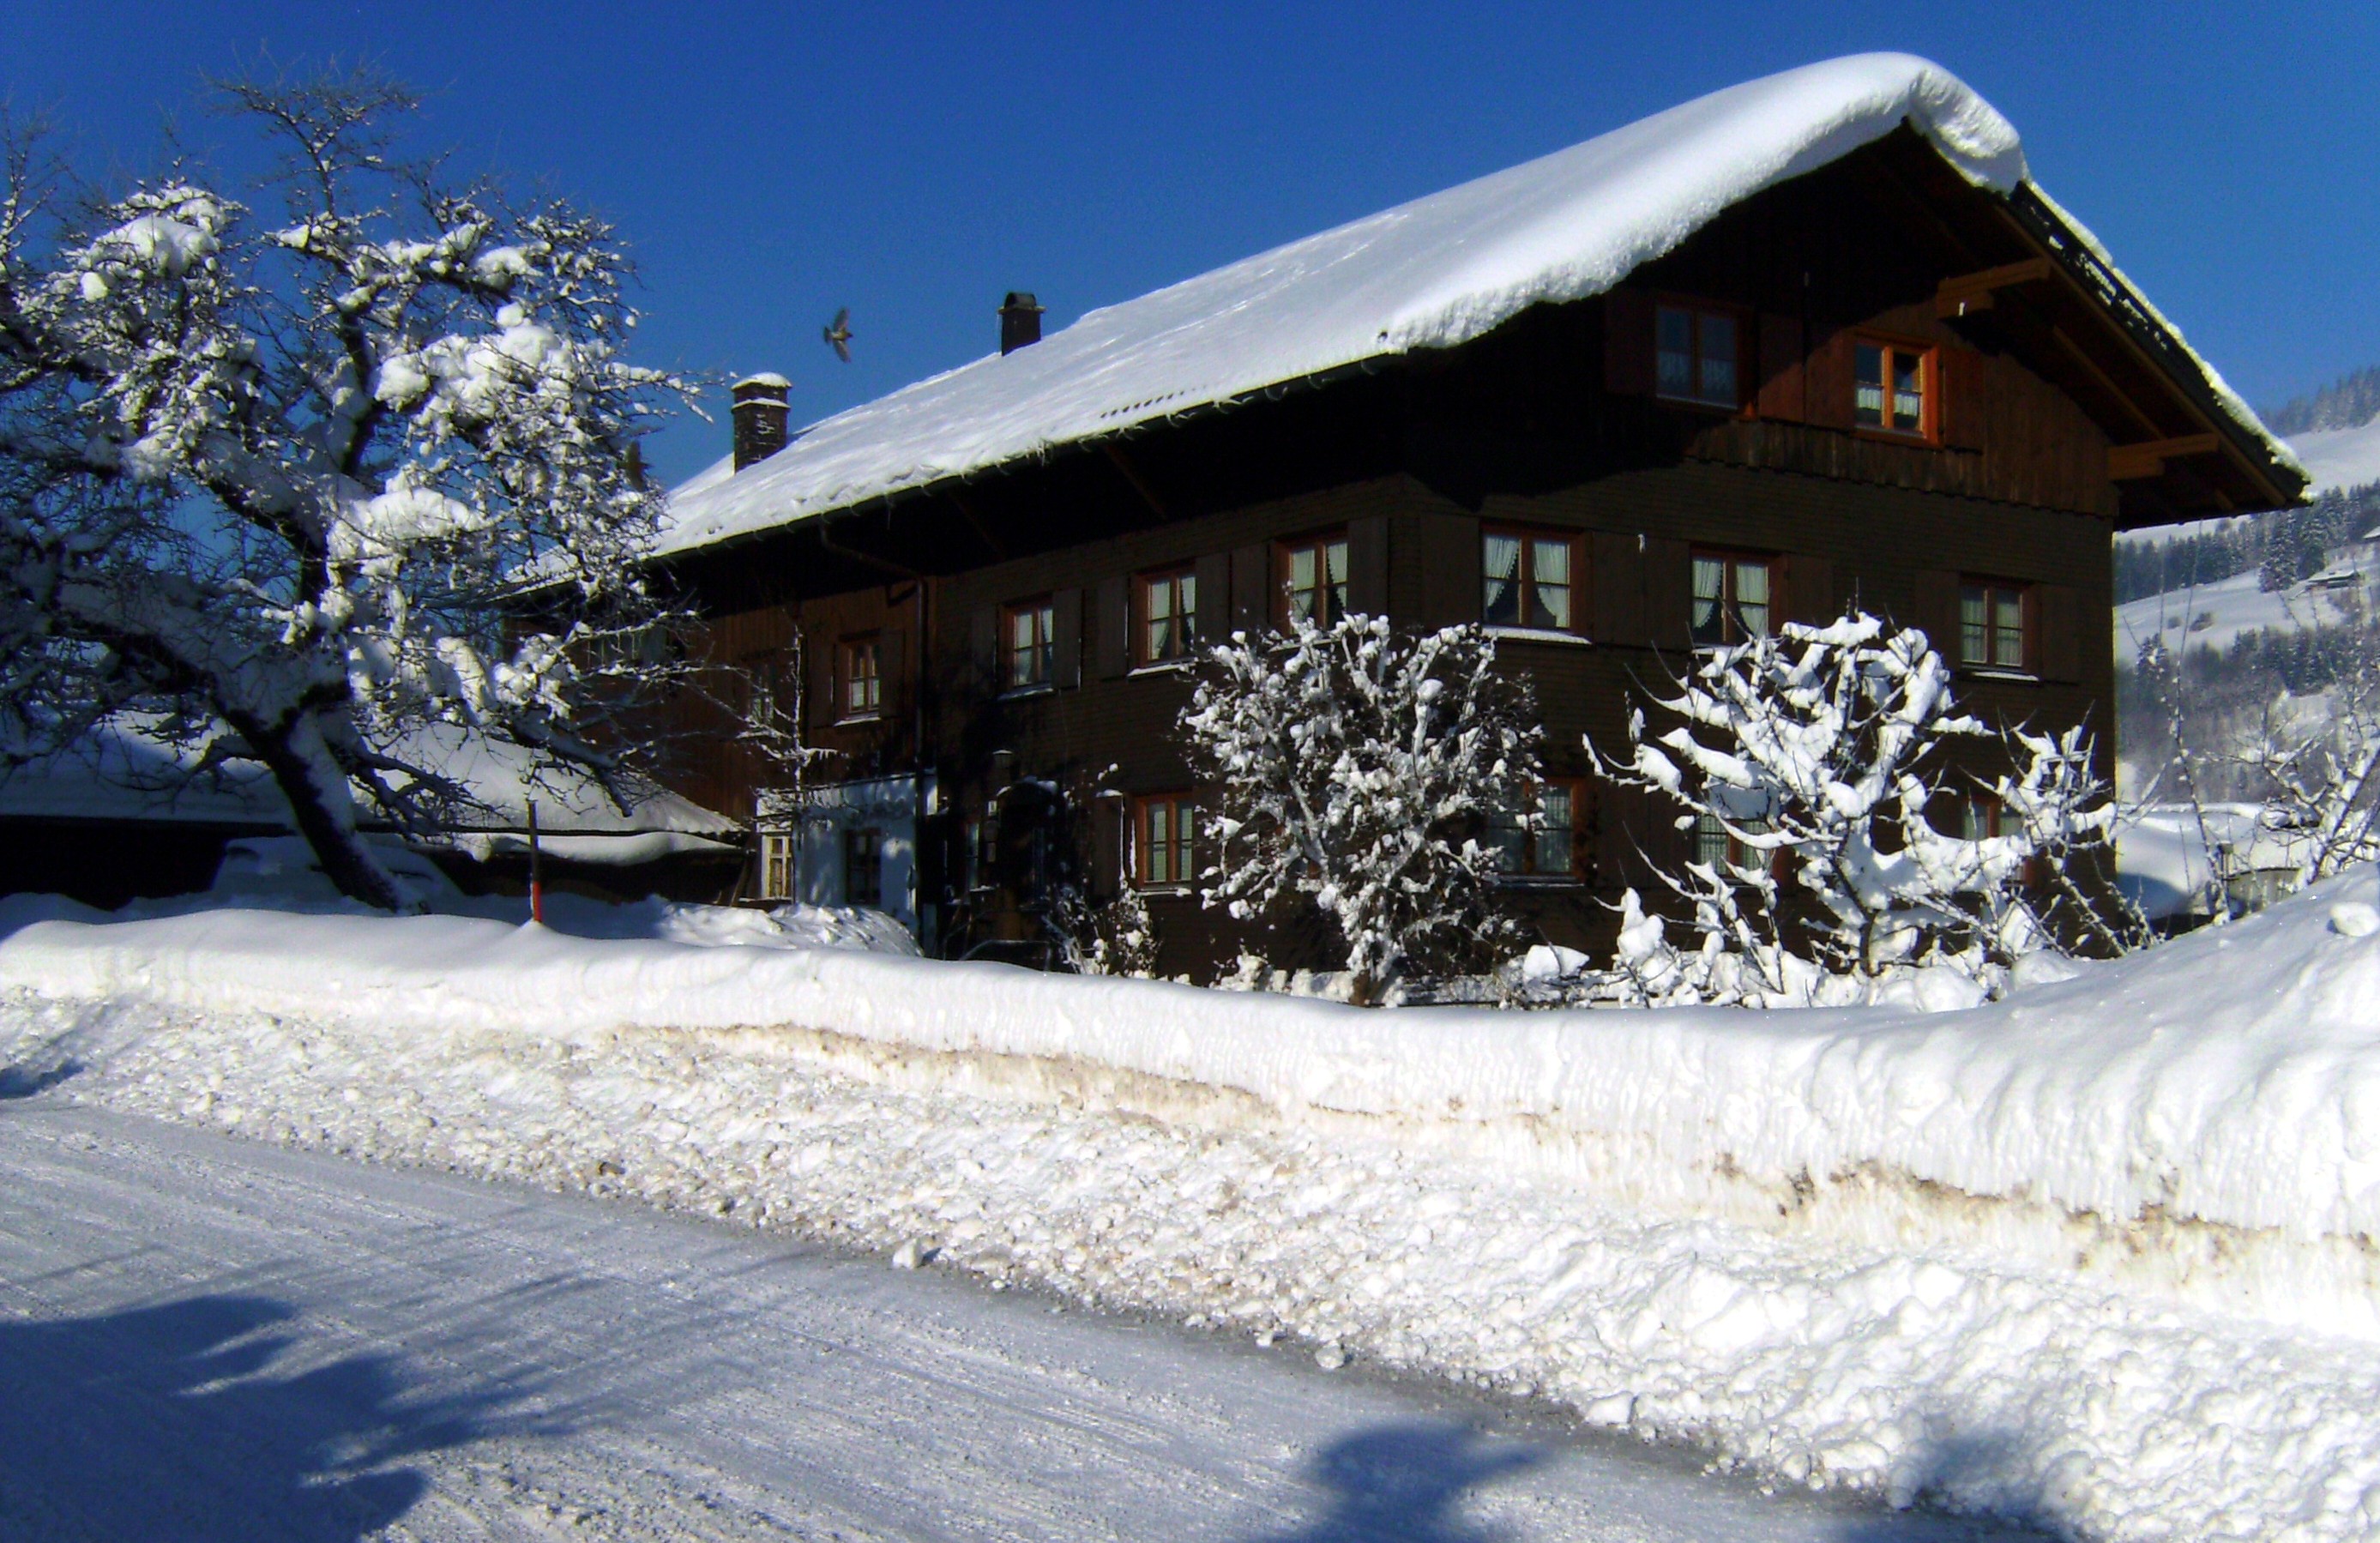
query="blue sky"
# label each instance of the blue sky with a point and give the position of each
(768, 164)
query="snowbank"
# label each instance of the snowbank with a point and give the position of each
(1538, 1203)
(2231, 1077)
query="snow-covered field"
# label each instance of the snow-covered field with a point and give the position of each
(2215, 616)
(2096, 1256)
(2339, 458)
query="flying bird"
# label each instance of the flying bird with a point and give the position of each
(838, 334)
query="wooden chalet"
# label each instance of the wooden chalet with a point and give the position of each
(1811, 343)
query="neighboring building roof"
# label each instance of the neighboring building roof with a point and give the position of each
(121, 771)
(1431, 273)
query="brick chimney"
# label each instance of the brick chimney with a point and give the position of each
(760, 414)
(1020, 321)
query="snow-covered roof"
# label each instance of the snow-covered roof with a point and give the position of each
(1431, 273)
(124, 770)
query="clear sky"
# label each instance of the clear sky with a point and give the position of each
(770, 163)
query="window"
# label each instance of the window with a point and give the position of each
(762, 704)
(863, 867)
(1540, 837)
(1733, 598)
(863, 688)
(1695, 356)
(776, 864)
(1529, 578)
(1714, 845)
(1028, 632)
(1169, 614)
(1165, 824)
(1892, 387)
(1314, 579)
(1993, 633)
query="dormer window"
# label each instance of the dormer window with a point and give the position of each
(1694, 355)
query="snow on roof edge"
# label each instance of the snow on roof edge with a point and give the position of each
(1435, 272)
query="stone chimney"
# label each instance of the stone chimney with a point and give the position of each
(760, 415)
(1020, 321)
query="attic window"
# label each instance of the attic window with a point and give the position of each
(1695, 353)
(1893, 386)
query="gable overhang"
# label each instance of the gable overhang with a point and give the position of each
(2026, 276)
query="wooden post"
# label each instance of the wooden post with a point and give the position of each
(536, 870)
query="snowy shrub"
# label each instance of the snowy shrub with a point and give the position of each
(1356, 768)
(299, 483)
(1117, 938)
(2321, 771)
(1810, 769)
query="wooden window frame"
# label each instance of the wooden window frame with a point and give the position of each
(1181, 847)
(780, 854)
(1929, 373)
(1182, 579)
(849, 652)
(855, 838)
(1043, 609)
(1320, 542)
(1527, 827)
(1731, 632)
(1695, 309)
(2028, 664)
(1527, 535)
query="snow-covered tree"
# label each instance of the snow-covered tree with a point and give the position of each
(1117, 937)
(299, 482)
(2321, 762)
(1810, 771)
(1356, 768)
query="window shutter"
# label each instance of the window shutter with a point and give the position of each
(891, 686)
(1827, 378)
(1963, 385)
(1809, 589)
(1782, 380)
(1449, 560)
(1617, 571)
(983, 646)
(1669, 596)
(1108, 816)
(1937, 610)
(1068, 633)
(1367, 565)
(1214, 594)
(2060, 621)
(1623, 824)
(1628, 343)
(1111, 628)
(1252, 589)
(822, 664)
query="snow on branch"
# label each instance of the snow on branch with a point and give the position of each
(1357, 771)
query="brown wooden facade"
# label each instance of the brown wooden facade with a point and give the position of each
(2051, 419)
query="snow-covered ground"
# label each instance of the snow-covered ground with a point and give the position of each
(2215, 615)
(2096, 1256)
(2339, 458)
(213, 1340)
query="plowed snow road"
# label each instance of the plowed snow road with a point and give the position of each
(207, 1339)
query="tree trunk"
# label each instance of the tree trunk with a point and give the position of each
(329, 829)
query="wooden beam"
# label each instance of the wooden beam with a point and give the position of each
(2128, 462)
(1966, 293)
(1132, 474)
(960, 501)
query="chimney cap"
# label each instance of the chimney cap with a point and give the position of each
(1020, 299)
(767, 381)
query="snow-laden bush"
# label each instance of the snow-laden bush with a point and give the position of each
(2321, 771)
(1811, 768)
(1114, 938)
(1356, 768)
(299, 483)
